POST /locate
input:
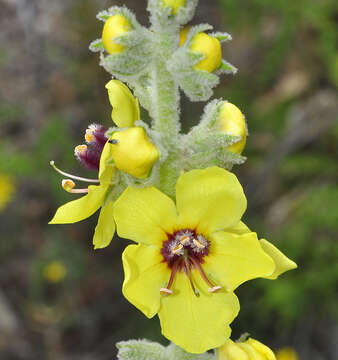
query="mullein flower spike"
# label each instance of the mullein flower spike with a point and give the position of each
(132, 152)
(250, 349)
(190, 257)
(115, 26)
(231, 121)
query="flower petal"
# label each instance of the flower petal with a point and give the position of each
(82, 208)
(234, 259)
(211, 199)
(144, 215)
(107, 169)
(197, 324)
(282, 262)
(105, 228)
(145, 274)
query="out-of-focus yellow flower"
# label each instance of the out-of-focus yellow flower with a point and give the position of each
(126, 109)
(115, 26)
(232, 121)
(190, 257)
(174, 4)
(54, 272)
(286, 353)
(250, 349)
(133, 153)
(210, 47)
(6, 190)
(183, 34)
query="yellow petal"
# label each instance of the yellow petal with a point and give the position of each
(145, 274)
(134, 153)
(174, 4)
(126, 109)
(210, 47)
(231, 351)
(197, 324)
(234, 259)
(183, 34)
(253, 354)
(266, 352)
(239, 229)
(232, 122)
(82, 208)
(115, 26)
(211, 199)
(105, 227)
(144, 215)
(106, 169)
(282, 262)
(286, 353)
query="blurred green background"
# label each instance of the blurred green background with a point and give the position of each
(59, 299)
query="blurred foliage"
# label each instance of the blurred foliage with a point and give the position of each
(287, 53)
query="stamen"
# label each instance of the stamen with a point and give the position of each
(171, 280)
(68, 185)
(188, 273)
(178, 249)
(198, 244)
(166, 291)
(185, 240)
(52, 164)
(213, 288)
(89, 136)
(80, 149)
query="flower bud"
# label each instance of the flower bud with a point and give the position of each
(54, 272)
(286, 353)
(174, 4)
(115, 26)
(232, 122)
(184, 34)
(132, 152)
(210, 47)
(125, 106)
(248, 350)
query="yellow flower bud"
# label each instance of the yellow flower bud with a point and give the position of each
(133, 153)
(115, 26)
(248, 350)
(54, 272)
(126, 109)
(286, 353)
(211, 48)
(184, 34)
(174, 4)
(231, 121)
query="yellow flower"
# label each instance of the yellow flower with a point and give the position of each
(250, 349)
(115, 26)
(133, 153)
(174, 4)
(125, 106)
(6, 190)
(232, 122)
(286, 353)
(54, 272)
(210, 47)
(87, 205)
(191, 256)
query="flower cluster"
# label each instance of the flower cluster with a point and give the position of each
(173, 194)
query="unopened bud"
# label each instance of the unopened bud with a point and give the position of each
(125, 106)
(134, 153)
(68, 185)
(115, 26)
(174, 4)
(232, 122)
(210, 47)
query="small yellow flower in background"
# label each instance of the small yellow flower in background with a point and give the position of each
(125, 106)
(286, 353)
(115, 26)
(210, 47)
(54, 272)
(231, 121)
(6, 190)
(192, 255)
(174, 4)
(250, 349)
(133, 153)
